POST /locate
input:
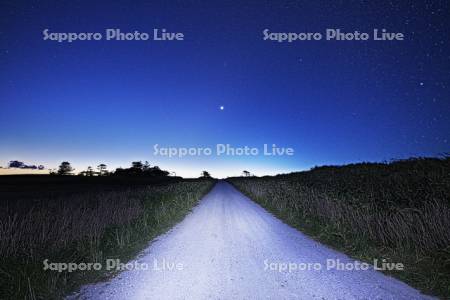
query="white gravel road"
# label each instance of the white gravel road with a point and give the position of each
(231, 248)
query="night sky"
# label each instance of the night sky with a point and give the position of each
(334, 102)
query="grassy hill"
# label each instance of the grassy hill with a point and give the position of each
(398, 211)
(72, 219)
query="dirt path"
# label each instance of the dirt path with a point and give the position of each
(228, 248)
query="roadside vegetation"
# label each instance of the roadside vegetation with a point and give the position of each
(80, 219)
(398, 211)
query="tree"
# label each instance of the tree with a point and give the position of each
(89, 171)
(146, 166)
(205, 174)
(246, 173)
(65, 168)
(141, 169)
(156, 171)
(102, 169)
(137, 165)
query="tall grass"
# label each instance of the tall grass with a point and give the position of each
(84, 228)
(399, 211)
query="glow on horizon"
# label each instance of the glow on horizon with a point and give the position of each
(220, 169)
(16, 171)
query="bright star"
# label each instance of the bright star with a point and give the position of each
(222, 107)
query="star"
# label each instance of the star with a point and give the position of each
(222, 107)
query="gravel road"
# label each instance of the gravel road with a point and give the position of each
(231, 248)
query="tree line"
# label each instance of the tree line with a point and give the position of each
(138, 168)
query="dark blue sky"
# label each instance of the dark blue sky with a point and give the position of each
(334, 102)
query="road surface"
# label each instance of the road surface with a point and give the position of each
(231, 248)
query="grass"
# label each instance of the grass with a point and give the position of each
(90, 226)
(397, 211)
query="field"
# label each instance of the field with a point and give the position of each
(73, 219)
(397, 211)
